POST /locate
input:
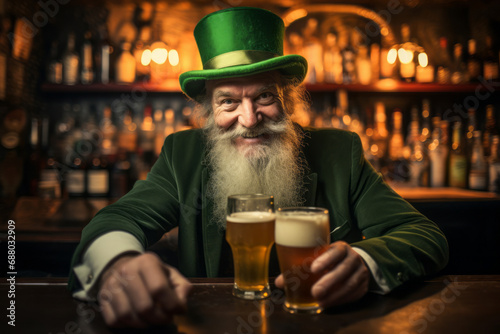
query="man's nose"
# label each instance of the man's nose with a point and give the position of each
(249, 116)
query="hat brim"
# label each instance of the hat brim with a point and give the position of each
(193, 82)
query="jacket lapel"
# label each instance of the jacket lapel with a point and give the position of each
(212, 235)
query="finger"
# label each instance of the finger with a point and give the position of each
(156, 279)
(354, 288)
(280, 282)
(118, 310)
(330, 258)
(333, 279)
(181, 285)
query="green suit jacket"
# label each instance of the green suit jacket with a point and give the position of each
(364, 211)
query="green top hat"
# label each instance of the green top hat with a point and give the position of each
(237, 42)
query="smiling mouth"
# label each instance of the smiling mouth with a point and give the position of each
(250, 136)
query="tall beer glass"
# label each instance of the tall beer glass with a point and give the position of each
(250, 233)
(302, 234)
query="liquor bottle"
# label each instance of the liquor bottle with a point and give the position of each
(71, 62)
(490, 63)
(375, 61)
(332, 60)
(108, 131)
(169, 122)
(103, 56)
(125, 65)
(458, 159)
(55, 67)
(127, 134)
(473, 62)
(469, 135)
(494, 165)
(425, 134)
(363, 66)
(313, 51)
(413, 133)
(489, 129)
(398, 171)
(142, 54)
(121, 175)
(478, 165)
(348, 63)
(380, 132)
(419, 165)
(87, 70)
(459, 69)
(98, 177)
(407, 67)
(443, 74)
(75, 180)
(438, 155)
(159, 123)
(147, 137)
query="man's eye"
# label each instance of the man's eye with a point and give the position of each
(227, 102)
(266, 97)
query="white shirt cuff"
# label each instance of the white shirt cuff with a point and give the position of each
(379, 282)
(97, 256)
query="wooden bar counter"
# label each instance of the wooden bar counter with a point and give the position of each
(446, 304)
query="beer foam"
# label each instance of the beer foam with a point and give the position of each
(251, 217)
(302, 230)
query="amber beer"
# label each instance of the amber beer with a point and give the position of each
(301, 235)
(250, 233)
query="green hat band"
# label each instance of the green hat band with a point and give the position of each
(238, 57)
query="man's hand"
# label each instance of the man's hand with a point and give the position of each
(140, 290)
(346, 276)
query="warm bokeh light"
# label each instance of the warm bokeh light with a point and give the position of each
(392, 55)
(173, 57)
(159, 55)
(422, 59)
(405, 56)
(146, 57)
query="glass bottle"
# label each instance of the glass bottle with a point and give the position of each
(71, 61)
(127, 135)
(76, 178)
(478, 165)
(459, 69)
(348, 62)
(380, 135)
(425, 134)
(55, 67)
(313, 51)
(438, 155)
(489, 129)
(87, 70)
(98, 177)
(473, 62)
(494, 165)
(147, 137)
(406, 56)
(125, 65)
(396, 147)
(469, 135)
(108, 130)
(103, 56)
(443, 69)
(332, 60)
(458, 159)
(363, 66)
(490, 64)
(419, 165)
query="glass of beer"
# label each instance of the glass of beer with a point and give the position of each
(301, 235)
(250, 233)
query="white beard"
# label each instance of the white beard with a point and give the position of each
(273, 168)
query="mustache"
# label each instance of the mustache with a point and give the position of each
(266, 127)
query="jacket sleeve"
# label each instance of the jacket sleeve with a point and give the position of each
(404, 243)
(149, 210)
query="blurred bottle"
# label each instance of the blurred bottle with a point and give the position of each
(438, 154)
(121, 175)
(313, 51)
(125, 65)
(98, 177)
(473, 62)
(332, 60)
(103, 56)
(55, 66)
(375, 61)
(458, 159)
(127, 133)
(380, 134)
(494, 165)
(108, 131)
(443, 74)
(490, 63)
(469, 135)
(459, 68)
(71, 62)
(363, 66)
(419, 165)
(398, 170)
(87, 68)
(142, 54)
(489, 129)
(349, 60)
(159, 123)
(478, 165)
(406, 55)
(425, 134)
(75, 180)
(147, 137)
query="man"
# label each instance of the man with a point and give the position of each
(247, 93)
